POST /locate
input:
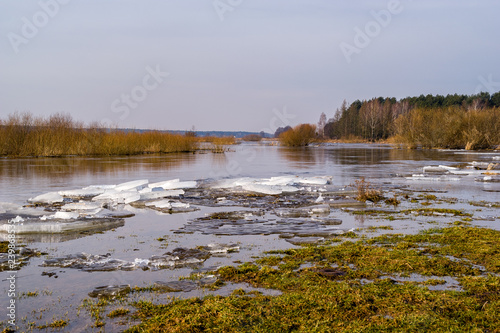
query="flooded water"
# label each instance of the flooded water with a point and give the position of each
(253, 198)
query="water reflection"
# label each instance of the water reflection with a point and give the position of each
(372, 154)
(300, 157)
(67, 167)
(358, 155)
(21, 179)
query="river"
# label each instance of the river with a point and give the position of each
(46, 293)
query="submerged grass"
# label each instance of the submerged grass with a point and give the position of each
(362, 293)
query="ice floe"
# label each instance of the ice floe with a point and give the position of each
(160, 194)
(81, 206)
(64, 225)
(97, 206)
(273, 185)
(305, 240)
(257, 223)
(303, 211)
(111, 291)
(480, 165)
(132, 185)
(269, 189)
(488, 179)
(443, 178)
(62, 216)
(114, 196)
(438, 169)
(173, 184)
(88, 192)
(47, 198)
(179, 257)
(184, 285)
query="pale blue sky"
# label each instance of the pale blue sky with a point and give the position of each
(237, 66)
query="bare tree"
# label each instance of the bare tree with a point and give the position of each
(321, 125)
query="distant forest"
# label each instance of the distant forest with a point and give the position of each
(381, 118)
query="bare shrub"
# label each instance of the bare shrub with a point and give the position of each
(299, 136)
(367, 192)
(252, 137)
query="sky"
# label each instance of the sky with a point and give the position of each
(245, 65)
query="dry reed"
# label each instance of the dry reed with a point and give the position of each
(448, 128)
(59, 135)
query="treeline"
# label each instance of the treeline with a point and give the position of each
(452, 121)
(59, 135)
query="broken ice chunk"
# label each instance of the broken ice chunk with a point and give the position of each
(61, 216)
(133, 185)
(110, 291)
(480, 165)
(47, 198)
(160, 204)
(303, 211)
(17, 219)
(305, 240)
(82, 193)
(434, 169)
(161, 194)
(319, 180)
(488, 179)
(118, 197)
(178, 204)
(83, 205)
(175, 286)
(141, 263)
(269, 189)
(280, 180)
(173, 184)
(221, 248)
(63, 226)
(433, 179)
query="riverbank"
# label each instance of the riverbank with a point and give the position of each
(23, 135)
